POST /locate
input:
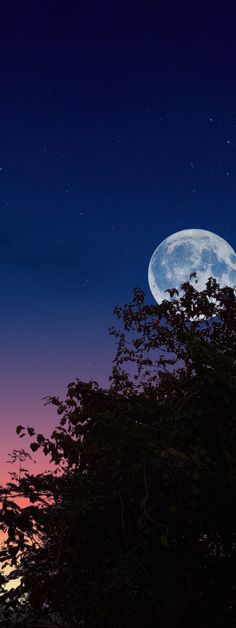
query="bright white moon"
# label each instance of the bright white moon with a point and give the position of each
(188, 251)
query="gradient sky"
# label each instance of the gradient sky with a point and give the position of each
(117, 128)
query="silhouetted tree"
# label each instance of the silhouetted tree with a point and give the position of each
(136, 526)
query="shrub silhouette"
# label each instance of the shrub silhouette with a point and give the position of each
(137, 524)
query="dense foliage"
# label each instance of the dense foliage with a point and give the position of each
(137, 526)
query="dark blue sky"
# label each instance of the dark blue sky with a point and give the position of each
(117, 128)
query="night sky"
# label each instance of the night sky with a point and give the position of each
(117, 128)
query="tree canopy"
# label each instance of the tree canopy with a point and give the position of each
(136, 524)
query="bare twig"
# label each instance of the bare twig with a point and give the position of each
(144, 502)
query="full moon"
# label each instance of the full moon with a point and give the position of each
(188, 251)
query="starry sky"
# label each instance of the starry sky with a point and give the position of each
(117, 128)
